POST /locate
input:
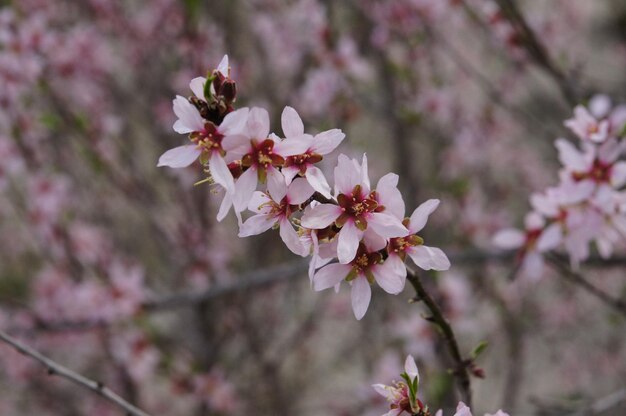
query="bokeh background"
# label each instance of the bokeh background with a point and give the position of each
(119, 270)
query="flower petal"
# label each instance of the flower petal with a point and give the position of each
(257, 224)
(244, 187)
(386, 225)
(291, 123)
(361, 295)
(317, 180)
(220, 172)
(189, 118)
(179, 157)
(390, 196)
(276, 184)
(550, 238)
(321, 216)
(330, 275)
(327, 141)
(299, 191)
(223, 66)
(197, 87)
(391, 275)
(421, 214)
(411, 368)
(429, 258)
(291, 238)
(294, 145)
(348, 242)
(258, 123)
(234, 122)
(509, 239)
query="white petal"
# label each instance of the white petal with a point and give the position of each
(299, 191)
(389, 275)
(570, 156)
(294, 145)
(291, 238)
(373, 241)
(258, 123)
(386, 225)
(348, 243)
(234, 122)
(227, 202)
(321, 216)
(180, 157)
(220, 172)
(618, 174)
(509, 239)
(365, 179)
(330, 275)
(223, 66)
(327, 141)
(411, 368)
(429, 258)
(290, 172)
(291, 123)
(390, 196)
(189, 118)
(361, 295)
(317, 180)
(258, 202)
(550, 238)
(421, 214)
(381, 389)
(197, 87)
(236, 143)
(276, 184)
(244, 187)
(347, 175)
(257, 224)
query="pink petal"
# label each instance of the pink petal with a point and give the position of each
(276, 184)
(347, 175)
(299, 191)
(244, 187)
(197, 87)
(411, 368)
(234, 122)
(321, 216)
(227, 202)
(348, 242)
(179, 157)
(294, 145)
(291, 238)
(381, 389)
(330, 275)
(258, 202)
(327, 141)
(189, 118)
(373, 241)
(361, 295)
(389, 275)
(386, 225)
(223, 66)
(258, 123)
(257, 224)
(421, 214)
(291, 123)
(220, 172)
(509, 239)
(238, 143)
(317, 180)
(462, 410)
(290, 172)
(570, 156)
(550, 238)
(365, 179)
(390, 196)
(618, 174)
(429, 258)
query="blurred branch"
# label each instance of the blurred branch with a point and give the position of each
(58, 370)
(536, 50)
(561, 265)
(460, 372)
(604, 404)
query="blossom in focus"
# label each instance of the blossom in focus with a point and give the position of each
(402, 395)
(358, 209)
(367, 267)
(311, 150)
(273, 209)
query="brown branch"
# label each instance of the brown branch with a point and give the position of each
(63, 372)
(460, 372)
(617, 304)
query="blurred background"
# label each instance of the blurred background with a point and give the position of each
(119, 270)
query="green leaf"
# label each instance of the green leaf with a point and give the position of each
(479, 349)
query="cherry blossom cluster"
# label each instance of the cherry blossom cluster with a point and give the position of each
(276, 178)
(589, 204)
(402, 395)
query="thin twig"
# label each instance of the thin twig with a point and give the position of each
(58, 370)
(460, 372)
(618, 305)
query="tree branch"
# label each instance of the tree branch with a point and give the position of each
(618, 305)
(460, 372)
(58, 370)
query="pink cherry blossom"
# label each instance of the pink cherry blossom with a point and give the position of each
(586, 127)
(366, 268)
(276, 209)
(311, 150)
(357, 210)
